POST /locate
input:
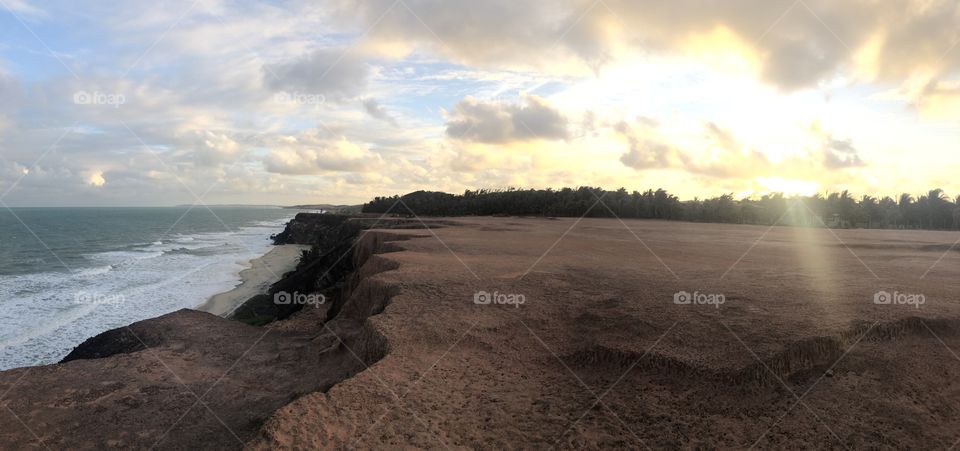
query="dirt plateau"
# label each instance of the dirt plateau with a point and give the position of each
(598, 355)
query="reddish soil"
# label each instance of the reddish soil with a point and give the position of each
(599, 322)
(598, 355)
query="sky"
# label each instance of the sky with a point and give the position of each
(125, 103)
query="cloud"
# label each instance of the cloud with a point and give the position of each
(23, 7)
(839, 154)
(95, 179)
(795, 44)
(646, 151)
(834, 153)
(939, 99)
(309, 154)
(490, 32)
(208, 148)
(727, 157)
(336, 73)
(723, 156)
(373, 108)
(501, 123)
(9, 90)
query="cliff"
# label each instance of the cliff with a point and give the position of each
(192, 380)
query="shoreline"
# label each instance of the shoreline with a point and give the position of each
(256, 279)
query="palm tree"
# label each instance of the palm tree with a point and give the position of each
(906, 208)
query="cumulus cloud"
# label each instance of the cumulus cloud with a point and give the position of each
(217, 109)
(373, 108)
(310, 154)
(646, 150)
(833, 153)
(723, 156)
(336, 73)
(839, 154)
(726, 156)
(209, 148)
(95, 178)
(501, 123)
(796, 44)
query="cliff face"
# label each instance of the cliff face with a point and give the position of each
(312, 228)
(192, 380)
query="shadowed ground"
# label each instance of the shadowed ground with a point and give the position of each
(599, 321)
(598, 354)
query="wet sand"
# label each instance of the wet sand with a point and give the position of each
(256, 279)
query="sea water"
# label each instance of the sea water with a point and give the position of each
(67, 274)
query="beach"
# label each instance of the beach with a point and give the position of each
(263, 272)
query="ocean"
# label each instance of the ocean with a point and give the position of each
(67, 274)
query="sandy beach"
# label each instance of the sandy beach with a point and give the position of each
(256, 279)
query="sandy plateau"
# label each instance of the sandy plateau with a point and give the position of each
(598, 354)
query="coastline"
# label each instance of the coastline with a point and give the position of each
(262, 272)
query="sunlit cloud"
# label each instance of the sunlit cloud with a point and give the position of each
(287, 102)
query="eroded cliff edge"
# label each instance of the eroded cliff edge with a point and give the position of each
(190, 379)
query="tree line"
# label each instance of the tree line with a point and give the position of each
(932, 210)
